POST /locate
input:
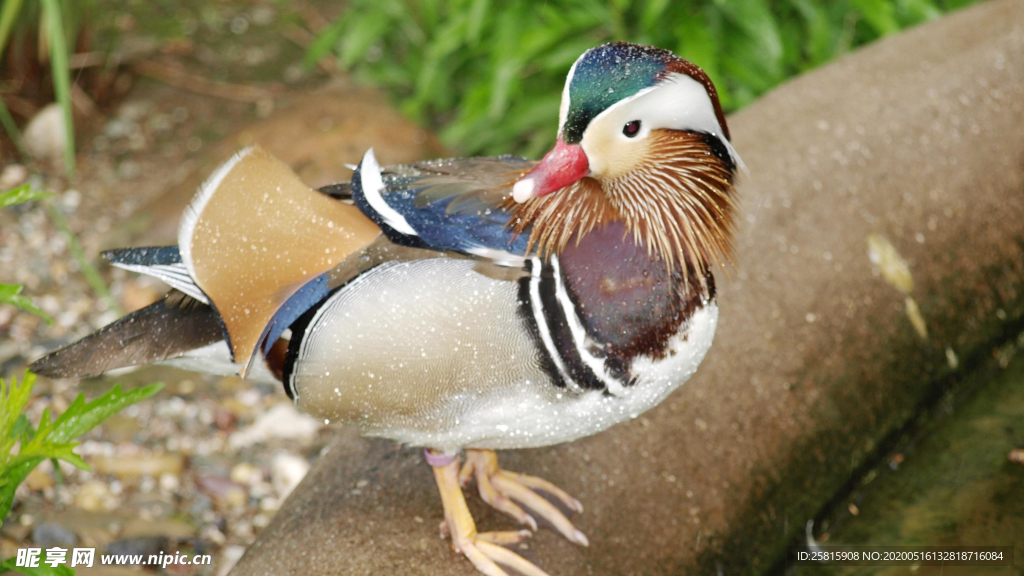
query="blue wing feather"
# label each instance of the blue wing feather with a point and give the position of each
(449, 204)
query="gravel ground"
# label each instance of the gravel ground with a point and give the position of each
(204, 465)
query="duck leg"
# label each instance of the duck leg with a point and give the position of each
(506, 491)
(483, 549)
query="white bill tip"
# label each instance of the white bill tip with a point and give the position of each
(523, 190)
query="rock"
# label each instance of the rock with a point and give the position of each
(12, 175)
(174, 530)
(229, 556)
(134, 466)
(169, 483)
(200, 506)
(94, 496)
(138, 294)
(224, 492)
(142, 545)
(49, 534)
(8, 547)
(40, 478)
(98, 570)
(912, 138)
(244, 473)
(45, 136)
(282, 421)
(287, 470)
(355, 119)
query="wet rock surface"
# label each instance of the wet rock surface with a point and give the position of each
(898, 156)
(954, 481)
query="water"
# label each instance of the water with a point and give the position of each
(951, 483)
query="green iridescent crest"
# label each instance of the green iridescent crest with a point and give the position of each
(605, 75)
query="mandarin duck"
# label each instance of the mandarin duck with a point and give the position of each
(463, 305)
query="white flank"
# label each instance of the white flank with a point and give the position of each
(372, 183)
(191, 215)
(322, 316)
(579, 335)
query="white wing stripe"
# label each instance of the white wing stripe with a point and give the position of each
(191, 215)
(372, 184)
(175, 275)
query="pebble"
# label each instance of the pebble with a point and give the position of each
(133, 466)
(282, 421)
(244, 473)
(144, 545)
(168, 528)
(39, 479)
(287, 470)
(200, 505)
(49, 534)
(228, 558)
(12, 175)
(169, 483)
(8, 547)
(45, 136)
(225, 493)
(94, 496)
(212, 534)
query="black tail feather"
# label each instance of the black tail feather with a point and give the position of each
(166, 329)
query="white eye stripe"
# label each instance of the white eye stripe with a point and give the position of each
(563, 109)
(678, 102)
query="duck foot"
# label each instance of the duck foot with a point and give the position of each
(484, 550)
(509, 491)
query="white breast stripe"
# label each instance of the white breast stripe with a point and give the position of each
(579, 335)
(175, 275)
(542, 325)
(372, 183)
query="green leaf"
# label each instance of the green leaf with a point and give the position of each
(469, 68)
(9, 125)
(82, 416)
(21, 427)
(52, 439)
(11, 294)
(322, 44)
(8, 14)
(13, 399)
(14, 475)
(20, 195)
(879, 14)
(42, 570)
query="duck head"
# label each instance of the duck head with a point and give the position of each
(642, 140)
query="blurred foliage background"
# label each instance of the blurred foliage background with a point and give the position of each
(487, 75)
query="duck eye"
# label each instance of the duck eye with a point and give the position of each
(631, 129)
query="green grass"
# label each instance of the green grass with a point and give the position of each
(487, 75)
(59, 23)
